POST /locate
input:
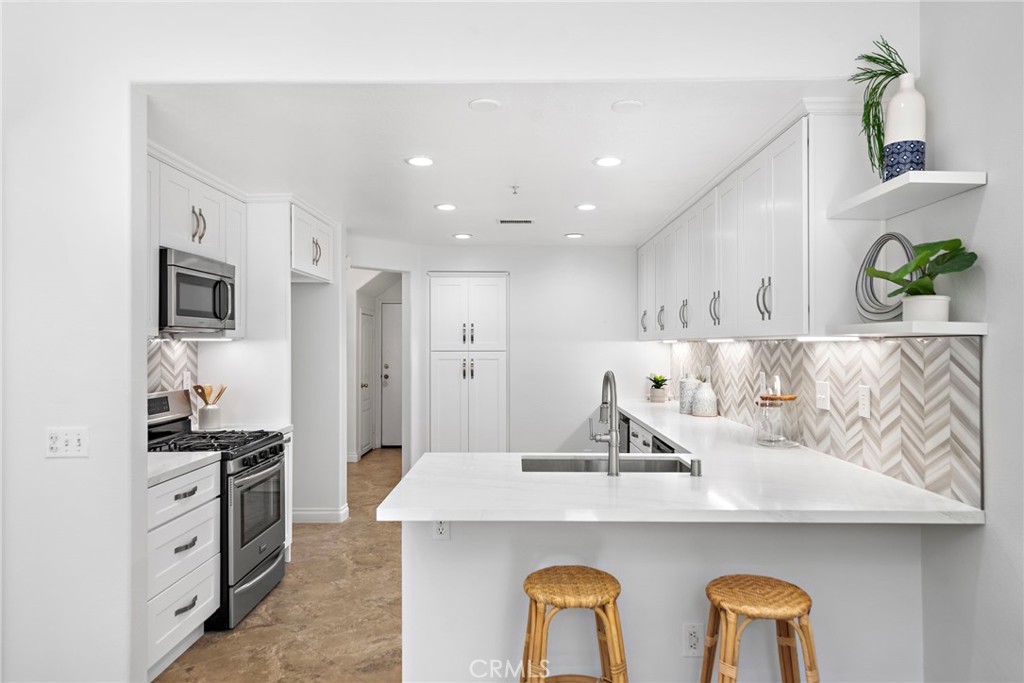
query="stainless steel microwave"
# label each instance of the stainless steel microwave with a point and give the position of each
(197, 294)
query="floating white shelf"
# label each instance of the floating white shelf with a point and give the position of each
(909, 191)
(899, 328)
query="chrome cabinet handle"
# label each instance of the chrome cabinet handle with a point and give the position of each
(634, 435)
(472, 333)
(718, 307)
(187, 608)
(463, 333)
(186, 494)
(188, 546)
(764, 297)
(757, 299)
(711, 309)
(643, 321)
(203, 218)
(319, 252)
(364, 386)
(463, 368)
(682, 315)
(661, 317)
(472, 368)
(195, 224)
(646, 443)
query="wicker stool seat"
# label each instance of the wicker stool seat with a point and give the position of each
(736, 601)
(553, 589)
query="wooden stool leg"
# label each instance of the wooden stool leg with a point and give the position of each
(602, 646)
(789, 665)
(729, 648)
(807, 642)
(527, 641)
(710, 642)
(533, 671)
(616, 647)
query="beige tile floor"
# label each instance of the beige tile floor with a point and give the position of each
(336, 617)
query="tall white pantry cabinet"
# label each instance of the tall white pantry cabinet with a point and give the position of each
(469, 362)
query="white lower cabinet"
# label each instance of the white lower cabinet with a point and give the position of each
(181, 609)
(181, 545)
(468, 402)
(177, 496)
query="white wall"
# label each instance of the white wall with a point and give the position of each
(68, 158)
(973, 586)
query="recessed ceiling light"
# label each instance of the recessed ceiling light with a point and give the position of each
(607, 162)
(420, 161)
(586, 207)
(624, 106)
(574, 235)
(484, 104)
(444, 207)
(462, 235)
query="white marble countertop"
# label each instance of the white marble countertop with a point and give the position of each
(742, 483)
(164, 466)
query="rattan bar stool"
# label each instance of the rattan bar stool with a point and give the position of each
(739, 599)
(567, 587)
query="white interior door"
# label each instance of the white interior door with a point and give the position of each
(391, 374)
(488, 403)
(365, 381)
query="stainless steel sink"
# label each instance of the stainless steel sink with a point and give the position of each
(600, 464)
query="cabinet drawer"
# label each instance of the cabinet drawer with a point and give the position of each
(639, 439)
(182, 494)
(174, 613)
(181, 545)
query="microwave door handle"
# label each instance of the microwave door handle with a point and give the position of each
(231, 300)
(226, 299)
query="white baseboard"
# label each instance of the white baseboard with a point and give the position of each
(354, 457)
(319, 515)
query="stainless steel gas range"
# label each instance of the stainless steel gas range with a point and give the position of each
(252, 501)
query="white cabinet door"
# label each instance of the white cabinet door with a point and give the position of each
(664, 284)
(235, 254)
(153, 254)
(726, 233)
(312, 245)
(323, 245)
(448, 401)
(211, 205)
(191, 214)
(706, 210)
(487, 392)
(698, 323)
(449, 328)
(754, 233)
(681, 275)
(645, 291)
(487, 313)
(786, 296)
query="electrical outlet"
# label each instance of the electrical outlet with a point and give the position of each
(67, 442)
(441, 531)
(864, 400)
(693, 640)
(823, 395)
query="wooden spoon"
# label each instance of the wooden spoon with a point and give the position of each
(220, 393)
(201, 392)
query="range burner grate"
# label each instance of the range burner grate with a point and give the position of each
(210, 441)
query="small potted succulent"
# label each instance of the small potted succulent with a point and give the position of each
(658, 384)
(916, 279)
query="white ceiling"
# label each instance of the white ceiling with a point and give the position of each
(342, 148)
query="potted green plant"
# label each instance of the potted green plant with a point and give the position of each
(916, 279)
(658, 383)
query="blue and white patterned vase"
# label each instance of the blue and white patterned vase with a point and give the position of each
(904, 131)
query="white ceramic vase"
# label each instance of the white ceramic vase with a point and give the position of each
(687, 388)
(658, 395)
(705, 403)
(926, 308)
(905, 132)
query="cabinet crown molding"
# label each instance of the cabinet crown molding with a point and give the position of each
(168, 157)
(286, 197)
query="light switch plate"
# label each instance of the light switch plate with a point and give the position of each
(864, 400)
(823, 395)
(67, 442)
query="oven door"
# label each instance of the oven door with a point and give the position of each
(195, 300)
(256, 517)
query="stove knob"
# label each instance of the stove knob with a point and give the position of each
(279, 448)
(245, 462)
(264, 455)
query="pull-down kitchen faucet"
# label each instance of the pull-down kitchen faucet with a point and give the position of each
(609, 414)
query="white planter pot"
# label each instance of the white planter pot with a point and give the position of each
(658, 395)
(926, 308)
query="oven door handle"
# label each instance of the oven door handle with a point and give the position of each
(246, 586)
(261, 474)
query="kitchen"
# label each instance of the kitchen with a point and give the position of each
(93, 123)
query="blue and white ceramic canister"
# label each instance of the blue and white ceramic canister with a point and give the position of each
(687, 388)
(904, 130)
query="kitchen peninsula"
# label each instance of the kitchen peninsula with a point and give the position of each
(849, 536)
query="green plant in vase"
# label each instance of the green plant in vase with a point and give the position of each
(658, 383)
(881, 68)
(916, 278)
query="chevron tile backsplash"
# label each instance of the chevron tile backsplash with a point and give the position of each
(925, 424)
(167, 361)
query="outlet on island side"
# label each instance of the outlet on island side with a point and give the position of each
(864, 401)
(693, 640)
(441, 531)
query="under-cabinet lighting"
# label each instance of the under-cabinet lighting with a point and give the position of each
(484, 104)
(586, 207)
(669, 341)
(420, 161)
(827, 339)
(206, 339)
(720, 341)
(444, 207)
(462, 236)
(574, 235)
(607, 162)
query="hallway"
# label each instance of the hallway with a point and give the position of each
(336, 617)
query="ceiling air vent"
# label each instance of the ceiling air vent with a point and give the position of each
(515, 221)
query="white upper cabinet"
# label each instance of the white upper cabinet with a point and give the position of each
(726, 241)
(312, 247)
(469, 312)
(235, 254)
(664, 285)
(191, 214)
(708, 291)
(754, 229)
(645, 267)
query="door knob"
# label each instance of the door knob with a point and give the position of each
(386, 366)
(365, 386)
(387, 376)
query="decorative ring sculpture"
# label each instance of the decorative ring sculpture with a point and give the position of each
(869, 305)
